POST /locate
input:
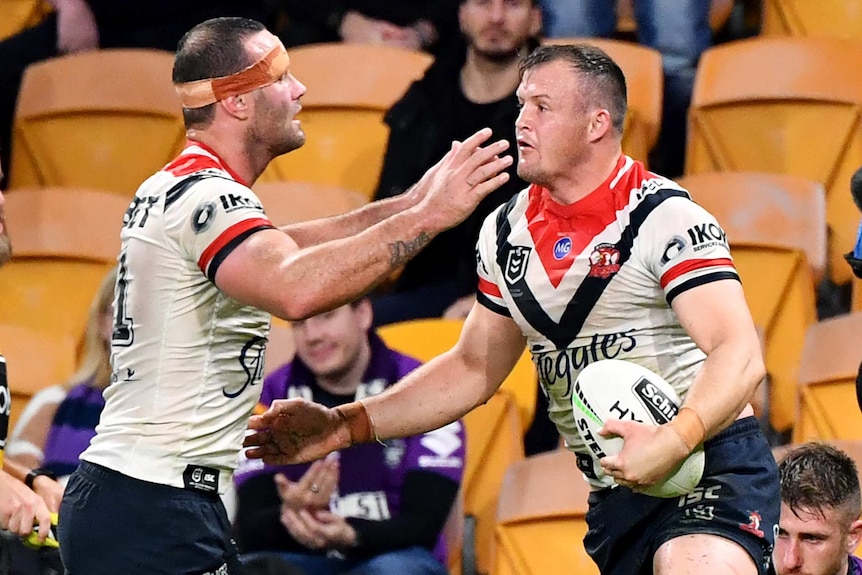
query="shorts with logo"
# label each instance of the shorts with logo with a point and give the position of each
(111, 523)
(738, 499)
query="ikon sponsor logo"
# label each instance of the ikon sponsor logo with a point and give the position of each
(705, 235)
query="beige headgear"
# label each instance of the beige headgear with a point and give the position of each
(270, 68)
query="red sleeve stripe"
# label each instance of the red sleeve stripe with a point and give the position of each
(229, 235)
(488, 288)
(687, 266)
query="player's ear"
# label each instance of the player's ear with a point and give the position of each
(854, 534)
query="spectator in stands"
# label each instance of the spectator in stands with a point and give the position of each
(414, 24)
(854, 258)
(466, 88)
(59, 421)
(374, 508)
(82, 25)
(679, 29)
(819, 527)
(27, 499)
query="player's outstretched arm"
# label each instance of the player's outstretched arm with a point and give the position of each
(433, 395)
(269, 271)
(312, 233)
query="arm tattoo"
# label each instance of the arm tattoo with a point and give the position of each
(400, 251)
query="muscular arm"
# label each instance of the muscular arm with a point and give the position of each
(717, 318)
(312, 233)
(452, 384)
(270, 272)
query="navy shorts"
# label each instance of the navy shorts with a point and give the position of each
(111, 523)
(738, 499)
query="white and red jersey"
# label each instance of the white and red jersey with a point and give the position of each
(595, 280)
(187, 359)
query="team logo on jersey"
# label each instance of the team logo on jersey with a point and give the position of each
(562, 248)
(516, 263)
(753, 525)
(202, 218)
(604, 261)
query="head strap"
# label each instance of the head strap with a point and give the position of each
(268, 70)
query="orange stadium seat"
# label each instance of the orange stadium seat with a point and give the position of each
(828, 409)
(350, 88)
(541, 518)
(105, 119)
(428, 338)
(35, 359)
(776, 226)
(292, 202)
(789, 106)
(18, 15)
(494, 442)
(856, 295)
(65, 240)
(823, 18)
(644, 78)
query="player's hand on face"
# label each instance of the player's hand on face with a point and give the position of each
(295, 431)
(467, 173)
(21, 508)
(649, 453)
(313, 490)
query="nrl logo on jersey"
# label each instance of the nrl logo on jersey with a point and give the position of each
(516, 264)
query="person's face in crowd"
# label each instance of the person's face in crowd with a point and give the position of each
(331, 343)
(498, 29)
(813, 543)
(275, 106)
(5, 243)
(554, 126)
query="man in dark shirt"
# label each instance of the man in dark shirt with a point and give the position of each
(466, 88)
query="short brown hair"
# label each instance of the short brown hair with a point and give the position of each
(816, 476)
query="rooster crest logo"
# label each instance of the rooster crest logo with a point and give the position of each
(604, 261)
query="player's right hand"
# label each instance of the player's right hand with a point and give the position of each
(465, 175)
(295, 431)
(21, 508)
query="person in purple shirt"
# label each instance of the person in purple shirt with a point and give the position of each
(372, 508)
(819, 528)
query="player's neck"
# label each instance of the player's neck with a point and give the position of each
(582, 179)
(232, 151)
(484, 80)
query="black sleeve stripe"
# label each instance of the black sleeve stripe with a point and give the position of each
(229, 248)
(486, 301)
(699, 281)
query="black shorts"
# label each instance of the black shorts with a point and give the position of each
(738, 499)
(111, 523)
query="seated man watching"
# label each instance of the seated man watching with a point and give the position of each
(370, 508)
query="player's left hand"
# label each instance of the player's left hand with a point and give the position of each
(295, 431)
(649, 453)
